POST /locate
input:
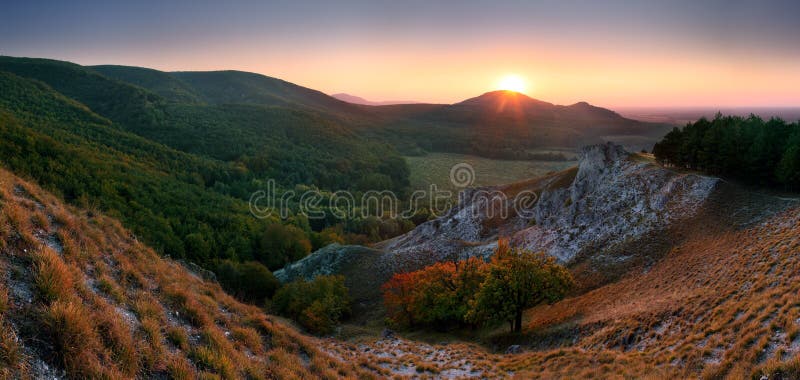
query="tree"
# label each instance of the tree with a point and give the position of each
(517, 280)
(788, 170)
(666, 151)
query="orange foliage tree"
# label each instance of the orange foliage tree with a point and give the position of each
(473, 292)
(438, 295)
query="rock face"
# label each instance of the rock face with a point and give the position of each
(612, 197)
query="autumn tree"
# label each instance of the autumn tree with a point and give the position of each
(438, 295)
(517, 280)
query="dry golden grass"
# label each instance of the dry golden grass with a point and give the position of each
(53, 277)
(721, 304)
(104, 305)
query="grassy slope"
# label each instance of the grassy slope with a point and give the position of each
(81, 294)
(718, 304)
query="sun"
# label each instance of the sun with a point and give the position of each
(512, 82)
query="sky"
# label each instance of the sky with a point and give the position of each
(609, 53)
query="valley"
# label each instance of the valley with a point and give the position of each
(130, 246)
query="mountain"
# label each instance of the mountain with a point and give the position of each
(180, 175)
(225, 87)
(240, 133)
(513, 110)
(238, 87)
(81, 297)
(499, 124)
(359, 100)
(508, 125)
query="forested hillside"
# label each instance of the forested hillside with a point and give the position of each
(159, 192)
(182, 179)
(159, 82)
(498, 124)
(291, 146)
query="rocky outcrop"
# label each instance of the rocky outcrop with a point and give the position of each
(614, 198)
(611, 198)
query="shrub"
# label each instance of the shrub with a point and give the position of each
(327, 236)
(208, 358)
(106, 285)
(317, 305)
(177, 336)
(180, 369)
(250, 281)
(11, 353)
(248, 337)
(4, 301)
(117, 339)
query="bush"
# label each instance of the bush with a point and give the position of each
(250, 281)
(326, 236)
(74, 338)
(317, 305)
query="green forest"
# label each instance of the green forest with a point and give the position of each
(179, 172)
(752, 150)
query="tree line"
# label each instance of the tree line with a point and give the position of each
(750, 149)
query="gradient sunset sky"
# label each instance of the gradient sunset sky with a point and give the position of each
(618, 53)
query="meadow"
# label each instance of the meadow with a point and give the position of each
(434, 168)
